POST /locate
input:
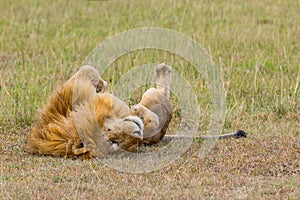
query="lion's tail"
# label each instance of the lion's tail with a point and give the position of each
(163, 78)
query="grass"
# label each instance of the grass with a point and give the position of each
(256, 46)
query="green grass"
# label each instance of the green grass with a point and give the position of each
(256, 46)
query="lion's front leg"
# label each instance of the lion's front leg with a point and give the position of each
(76, 148)
(90, 132)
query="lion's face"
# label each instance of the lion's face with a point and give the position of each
(124, 133)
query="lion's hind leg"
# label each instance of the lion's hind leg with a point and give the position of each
(163, 79)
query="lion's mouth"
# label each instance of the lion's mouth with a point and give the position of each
(113, 142)
(114, 145)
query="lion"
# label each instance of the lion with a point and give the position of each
(82, 120)
(72, 123)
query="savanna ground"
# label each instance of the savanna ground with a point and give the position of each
(255, 44)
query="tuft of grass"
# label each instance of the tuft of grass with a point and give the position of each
(255, 44)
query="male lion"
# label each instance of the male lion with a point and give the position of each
(81, 120)
(68, 126)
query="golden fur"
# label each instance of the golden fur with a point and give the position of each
(53, 132)
(68, 126)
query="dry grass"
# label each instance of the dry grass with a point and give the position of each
(261, 166)
(256, 45)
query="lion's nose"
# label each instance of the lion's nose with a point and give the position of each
(139, 133)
